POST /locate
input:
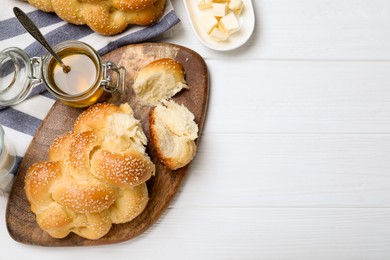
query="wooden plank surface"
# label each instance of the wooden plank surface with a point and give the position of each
(245, 233)
(307, 30)
(162, 187)
(299, 97)
(289, 170)
(311, 126)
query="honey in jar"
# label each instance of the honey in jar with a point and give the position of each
(82, 86)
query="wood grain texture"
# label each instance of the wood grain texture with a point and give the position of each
(308, 30)
(310, 100)
(162, 187)
(299, 97)
(289, 171)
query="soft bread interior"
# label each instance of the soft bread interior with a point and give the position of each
(124, 131)
(173, 131)
(177, 119)
(159, 80)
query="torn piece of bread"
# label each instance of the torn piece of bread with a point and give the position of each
(159, 80)
(114, 125)
(173, 131)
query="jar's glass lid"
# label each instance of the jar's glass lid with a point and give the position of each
(15, 80)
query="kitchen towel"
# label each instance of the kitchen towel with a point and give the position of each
(20, 124)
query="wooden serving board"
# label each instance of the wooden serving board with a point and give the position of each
(162, 187)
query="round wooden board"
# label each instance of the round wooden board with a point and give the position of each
(162, 187)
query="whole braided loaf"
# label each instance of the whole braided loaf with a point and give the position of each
(95, 175)
(107, 17)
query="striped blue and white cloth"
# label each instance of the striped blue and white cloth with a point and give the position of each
(21, 121)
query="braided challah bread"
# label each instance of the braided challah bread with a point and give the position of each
(107, 17)
(95, 175)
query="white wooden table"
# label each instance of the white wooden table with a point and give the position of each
(294, 160)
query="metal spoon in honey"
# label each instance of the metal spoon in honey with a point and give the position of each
(33, 30)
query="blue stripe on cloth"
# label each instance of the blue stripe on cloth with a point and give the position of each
(19, 121)
(48, 95)
(18, 161)
(10, 27)
(62, 33)
(71, 32)
(75, 32)
(38, 89)
(167, 22)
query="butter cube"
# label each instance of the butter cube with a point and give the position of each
(209, 22)
(236, 6)
(219, 9)
(230, 23)
(218, 35)
(204, 4)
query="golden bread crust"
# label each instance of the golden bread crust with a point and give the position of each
(123, 170)
(129, 203)
(107, 17)
(132, 4)
(38, 181)
(84, 197)
(95, 118)
(85, 187)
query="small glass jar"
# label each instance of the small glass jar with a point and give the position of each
(81, 87)
(7, 155)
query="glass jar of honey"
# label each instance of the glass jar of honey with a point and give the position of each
(82, 86)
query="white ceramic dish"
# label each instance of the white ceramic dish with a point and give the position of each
(247, 24)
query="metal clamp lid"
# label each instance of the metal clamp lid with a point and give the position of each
(114, 77)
